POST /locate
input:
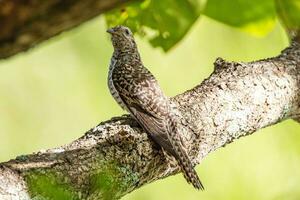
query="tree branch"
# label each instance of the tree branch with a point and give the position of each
(117, 157)
(27, 23)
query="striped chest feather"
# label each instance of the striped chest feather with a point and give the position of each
(111, 86)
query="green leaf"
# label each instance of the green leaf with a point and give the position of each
(289, 12)
(254, 16)
(163, 22)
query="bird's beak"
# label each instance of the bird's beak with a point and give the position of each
(110, 30)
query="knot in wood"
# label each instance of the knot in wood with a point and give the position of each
(219, 63)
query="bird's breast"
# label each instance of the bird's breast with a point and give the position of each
(111, 86)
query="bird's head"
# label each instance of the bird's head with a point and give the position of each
(122, 38)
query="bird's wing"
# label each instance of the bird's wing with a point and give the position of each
(147, 103)
(164, 131)
(145, 100)
(156, 127)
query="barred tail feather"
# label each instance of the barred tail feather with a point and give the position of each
(187, 168)
(191, 176)
(182, 157)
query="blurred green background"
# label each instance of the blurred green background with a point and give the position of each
(52, 94)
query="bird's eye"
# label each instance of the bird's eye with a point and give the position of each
(127, 32)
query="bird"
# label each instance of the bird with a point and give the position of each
(137, 91)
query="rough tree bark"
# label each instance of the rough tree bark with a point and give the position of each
(27, 23)
(116, 157)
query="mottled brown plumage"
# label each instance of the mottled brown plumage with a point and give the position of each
(136, 90)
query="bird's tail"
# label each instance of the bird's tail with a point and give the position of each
(182, 158)
(188, 170)
(191, 176)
